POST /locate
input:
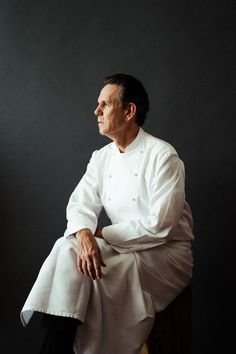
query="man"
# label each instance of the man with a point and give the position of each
(108, 282)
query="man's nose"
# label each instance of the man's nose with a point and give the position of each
(98, 111)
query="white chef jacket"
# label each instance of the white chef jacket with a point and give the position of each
(142, 191)
(147, 248)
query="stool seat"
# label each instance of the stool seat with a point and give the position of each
(172, 329)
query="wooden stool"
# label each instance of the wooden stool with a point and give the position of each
(172, 329)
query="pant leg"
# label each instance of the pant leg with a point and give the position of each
(60, 334)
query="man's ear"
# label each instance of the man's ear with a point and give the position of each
(130, 111)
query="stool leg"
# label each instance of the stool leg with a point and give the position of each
(172, 329)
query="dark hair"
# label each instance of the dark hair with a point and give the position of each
(132, 91)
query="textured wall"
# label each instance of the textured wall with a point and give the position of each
(54, 55)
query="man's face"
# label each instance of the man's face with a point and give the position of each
(110, 114)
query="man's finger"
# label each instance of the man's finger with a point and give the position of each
(84, 267)
(97, 268)
(90, 268)
(79, 264)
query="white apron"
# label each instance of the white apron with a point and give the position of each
(118, 310)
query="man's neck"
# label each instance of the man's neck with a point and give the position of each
(125, 139)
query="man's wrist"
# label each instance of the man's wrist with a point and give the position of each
(83, 232)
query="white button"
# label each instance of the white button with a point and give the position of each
(110, 176)
(136, 174)
(109, 199)
(141, 151)
(133, 199)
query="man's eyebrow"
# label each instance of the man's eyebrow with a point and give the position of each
(107, 101)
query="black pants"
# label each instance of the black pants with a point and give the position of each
(60, 335)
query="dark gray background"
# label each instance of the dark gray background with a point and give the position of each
(53, 58)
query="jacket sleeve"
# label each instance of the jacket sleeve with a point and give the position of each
(167, 197)
(84, 205)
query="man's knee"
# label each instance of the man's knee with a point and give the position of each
(65, 248)
(65, 243)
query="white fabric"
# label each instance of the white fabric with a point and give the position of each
(147, 248)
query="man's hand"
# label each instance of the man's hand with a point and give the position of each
(89, 257)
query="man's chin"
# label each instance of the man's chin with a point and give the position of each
(102, 131)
